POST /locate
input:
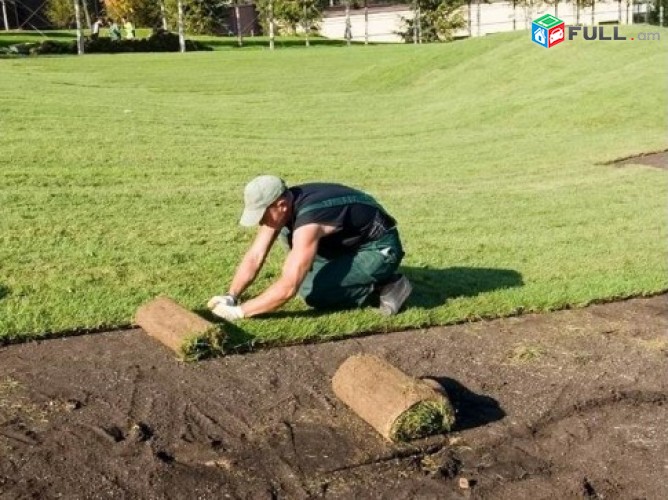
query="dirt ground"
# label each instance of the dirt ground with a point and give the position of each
(572, 404)
(659, 160)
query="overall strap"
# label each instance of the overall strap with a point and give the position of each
(361, 198)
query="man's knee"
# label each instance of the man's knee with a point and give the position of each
(316, 301)
(337, 298)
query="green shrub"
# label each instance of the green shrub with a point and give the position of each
(161, 41)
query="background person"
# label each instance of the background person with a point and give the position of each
(129, 29)
(95, 29)
(114, 30)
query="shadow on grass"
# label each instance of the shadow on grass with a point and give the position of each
(4, 291)
(37, 34)
(471, 410)
(433, 287)
(10, 38)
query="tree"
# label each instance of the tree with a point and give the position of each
(556, 5)
(60, 12)
(289, 14)
(118, 8)
(581, 4)
(141, 12)
(200, 16)
(661, 7)
(438, 20)
(311, 16)
(348, 31)
(366, 22)
(478, 15)
(528, 6)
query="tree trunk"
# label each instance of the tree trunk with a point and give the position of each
(307, 26)
(577, 12)
(271, 25)
(416, 21)
(366, 22)
(514, 15)
(237, 17)
(163, 15)
(4, 15)
(84, 4)
(348, 33)
(77, 18)
(647, 7)
(182, 38)
(593, 13)
(468, 20)
(477, 16)
(556, 8)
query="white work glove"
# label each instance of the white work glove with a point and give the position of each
(230, 313)
(228, 300)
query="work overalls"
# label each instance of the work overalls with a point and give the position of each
(349, 280)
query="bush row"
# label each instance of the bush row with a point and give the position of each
(158, 42)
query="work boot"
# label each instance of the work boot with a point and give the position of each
(394, 294)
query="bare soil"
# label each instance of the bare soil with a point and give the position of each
(572, 404)
(659, 160)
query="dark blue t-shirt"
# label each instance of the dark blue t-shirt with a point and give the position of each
(355, 223)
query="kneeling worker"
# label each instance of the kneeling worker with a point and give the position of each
(344, 249)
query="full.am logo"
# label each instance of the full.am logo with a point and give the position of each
(547, 31)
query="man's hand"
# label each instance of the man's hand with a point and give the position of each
(230, 313)
(228, 300)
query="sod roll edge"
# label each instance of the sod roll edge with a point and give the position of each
(398, 406)
(183, 331)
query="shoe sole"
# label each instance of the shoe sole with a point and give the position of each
(405, 292)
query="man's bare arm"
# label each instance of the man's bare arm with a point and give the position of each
(296, 266)
(253, 260)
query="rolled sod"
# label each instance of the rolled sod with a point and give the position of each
(190, 336)
(399, 407)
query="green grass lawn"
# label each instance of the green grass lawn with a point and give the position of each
(121, 176)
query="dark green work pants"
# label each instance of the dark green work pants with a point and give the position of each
(349, 280)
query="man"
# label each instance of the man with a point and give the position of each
(95, 30)
(344, 249)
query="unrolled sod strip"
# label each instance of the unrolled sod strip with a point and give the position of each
(398, 406)
(183, 331)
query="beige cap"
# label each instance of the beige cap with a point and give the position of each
(258, 195)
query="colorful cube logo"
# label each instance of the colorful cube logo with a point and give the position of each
(547, 31)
